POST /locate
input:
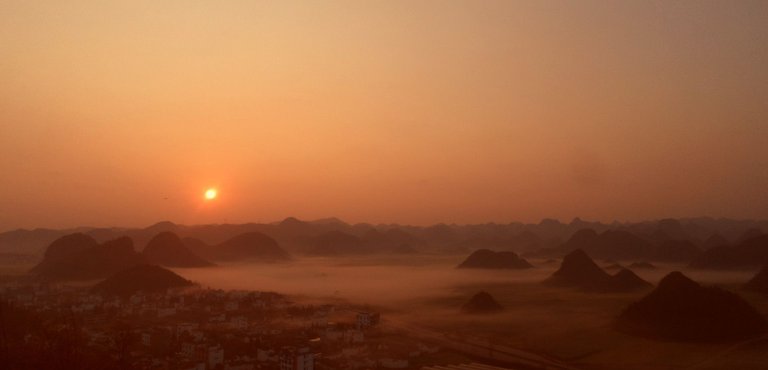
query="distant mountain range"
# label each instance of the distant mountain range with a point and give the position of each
(668, 240)
(372, 241)
(751, 252)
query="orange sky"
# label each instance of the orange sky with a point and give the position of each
(381, 111)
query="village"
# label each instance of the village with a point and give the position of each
(203, 329)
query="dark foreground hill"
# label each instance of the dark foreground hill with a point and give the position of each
(579, 271)
(482, 303)
(488, 259)
(167, 249)
(248, 247)
(142, 278)
(74, 257)
(680, 309)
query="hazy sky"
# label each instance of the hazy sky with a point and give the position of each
(123, 113)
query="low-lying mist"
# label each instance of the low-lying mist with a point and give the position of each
(392, 281)
(378, 281)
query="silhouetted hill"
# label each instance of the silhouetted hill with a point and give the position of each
(29, 241)
(680, 309)
(295, 227)
(69, 244)
(441, 234)
(620, 244)
(715, 240)
(759, 283)
(167, 249)
(162, 226)
(338, 243)
(749, 234)
(140, 236)
(498, 238)
(751, 253)
(482, 242)
(215, 234)
(403, 237)
(676, 251)
(334, 222)
(292, 222)
(526, 240)
(611, 244)
(482, 303)
(91, 262)
(670, 229)
(488, 259)
(642, 266)
(580, 239)
(196, 246)
(253, 246)
(376, 241)
(63, 247)
(626, 281)
(373, 236)
(142, 278)
(579, 271)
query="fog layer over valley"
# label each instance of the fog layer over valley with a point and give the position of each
(386, 281)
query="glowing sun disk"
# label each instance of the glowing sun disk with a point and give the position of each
(211, 194)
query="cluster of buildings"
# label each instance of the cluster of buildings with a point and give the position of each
(205, 329)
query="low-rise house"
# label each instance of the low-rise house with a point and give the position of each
(215, 356)
(367, 319)
(296, 358)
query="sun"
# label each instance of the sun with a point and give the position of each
(211, 194)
